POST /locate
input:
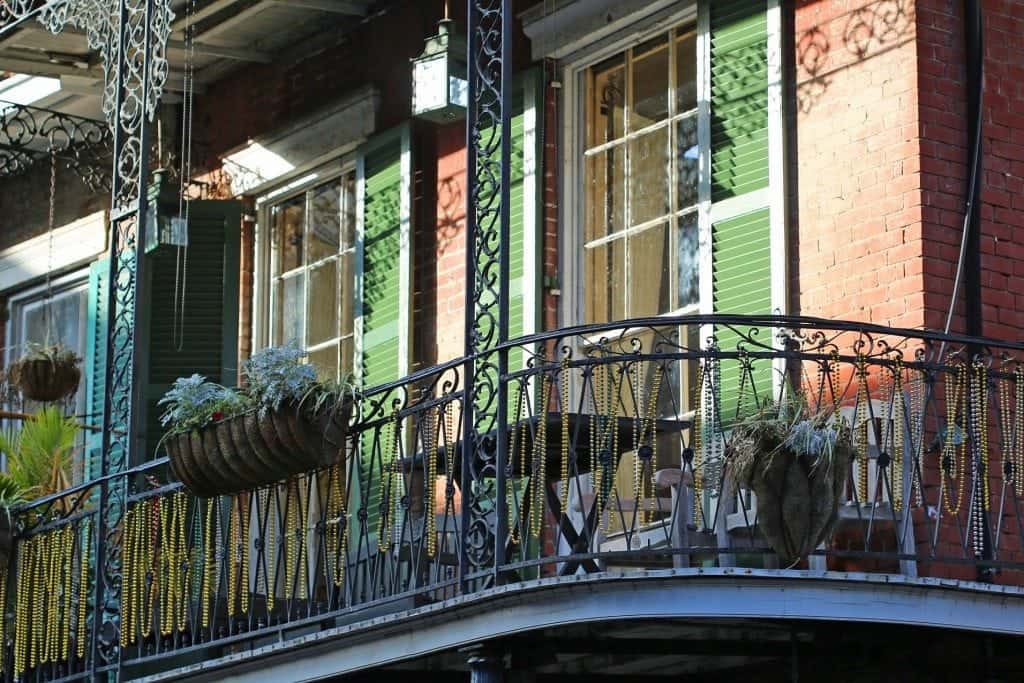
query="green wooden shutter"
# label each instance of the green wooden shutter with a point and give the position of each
(383, 288)
(739, 97)
(95, 364)
(207, 272)
(741, 227)
(524, 194)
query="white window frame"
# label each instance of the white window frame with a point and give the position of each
(572, 308)
(264, 260)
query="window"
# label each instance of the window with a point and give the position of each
(639, 166)
(312, 257)
(52, 315)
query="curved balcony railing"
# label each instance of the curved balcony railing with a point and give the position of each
(615, 454)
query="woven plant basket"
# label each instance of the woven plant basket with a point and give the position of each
(44, 379)
(798, 496)
(248, 451)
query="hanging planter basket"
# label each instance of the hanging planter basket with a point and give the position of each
(252, 450)
(798, 495)
(47, 379)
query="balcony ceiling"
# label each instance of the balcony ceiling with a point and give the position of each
(229, 34)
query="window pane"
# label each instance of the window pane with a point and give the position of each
(349, 219)
(688, 160)
(649, 272)
(686, 71)
(606, 102)
(605, 193)
(289, 295)
(323, 303)
(649, 176)
(689, 261)
(606, 282)
(58, 321)
(325, 222)
(347, 266)
(288, 225)
(347, 356)
(650, 84)
(325, 361)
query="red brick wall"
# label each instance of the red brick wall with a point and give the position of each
(857, 234)
(944, 173)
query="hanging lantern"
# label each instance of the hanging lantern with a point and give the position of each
(439, 87)
(162, 227)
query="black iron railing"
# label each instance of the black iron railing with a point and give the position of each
(618, 457)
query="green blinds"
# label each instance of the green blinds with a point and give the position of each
(739, 97)
(199, 333)
(384, 251)
(741, 235)
(204, 339)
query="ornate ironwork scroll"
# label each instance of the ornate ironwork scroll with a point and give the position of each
(29, 135)
(487, 275)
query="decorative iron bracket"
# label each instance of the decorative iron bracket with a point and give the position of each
(29, 135)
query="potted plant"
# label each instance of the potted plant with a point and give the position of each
(11, 495)
(796, 463)
(39, 458)
(46, 372)
(285, 421)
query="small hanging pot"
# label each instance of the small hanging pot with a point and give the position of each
(46, 379)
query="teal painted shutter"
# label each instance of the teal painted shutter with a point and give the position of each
(383, 301)
(208, 273)
(741, 249)
(95, 364)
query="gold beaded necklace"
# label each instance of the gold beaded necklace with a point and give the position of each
(431, 451)
(270, 548)
(896, 436)
(953, 452)
(861, 423)
(540, 459)
(83, 583)
(387, 485)
(209, 559)
(234, 559)
(564, 445)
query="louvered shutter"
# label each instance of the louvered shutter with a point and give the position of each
(740, 170)
(383, 288)
(95, 365)
(204, 339)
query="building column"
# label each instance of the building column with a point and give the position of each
(486, 665)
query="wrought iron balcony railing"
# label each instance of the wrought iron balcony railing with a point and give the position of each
(615, 455)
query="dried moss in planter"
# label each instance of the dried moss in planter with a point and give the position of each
(46, 372)
(797, 466)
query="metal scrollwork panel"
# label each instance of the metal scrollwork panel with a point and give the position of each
(488, 215)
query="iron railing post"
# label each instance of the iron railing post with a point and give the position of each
(488, 151)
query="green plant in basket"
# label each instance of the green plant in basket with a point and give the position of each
(796, 462)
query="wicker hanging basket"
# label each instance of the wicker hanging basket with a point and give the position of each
(248, 451)
(798, 496)
(46, 379)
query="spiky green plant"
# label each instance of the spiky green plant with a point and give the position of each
(39, 453)
(11, 493)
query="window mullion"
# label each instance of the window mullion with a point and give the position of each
(627, 169)
(673, 179)
(307, 232)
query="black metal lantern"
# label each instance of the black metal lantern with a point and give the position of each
(163, 228)
(439, 89)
